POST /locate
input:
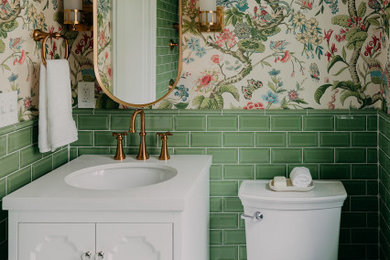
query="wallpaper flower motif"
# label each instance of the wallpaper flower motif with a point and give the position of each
(297, 54)
(272, 54)
(20, 54)
(104, 43)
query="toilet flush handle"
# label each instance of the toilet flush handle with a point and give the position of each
(258, 216)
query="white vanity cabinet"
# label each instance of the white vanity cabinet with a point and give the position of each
(135, 241)
(168, 220)
(114, 241)
(55, 241)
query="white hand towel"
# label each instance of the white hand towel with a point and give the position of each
(56, 125)
(301, 177)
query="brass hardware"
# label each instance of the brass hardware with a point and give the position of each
(68, 13)
(82, 19)
(81, 28)
(171, 83)
(39, 35)
(172, 45)
(164, 147)
(120, 155)
(142, 153)
(216, 18)
(96, 54)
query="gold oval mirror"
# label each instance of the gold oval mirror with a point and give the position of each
(137, 49)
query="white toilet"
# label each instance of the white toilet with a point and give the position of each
(292, 225)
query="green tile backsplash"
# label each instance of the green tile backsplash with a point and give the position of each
(20, 163)
(166, 60)
(384, 185)
(318, 123)
(250, 145)
(245, 145)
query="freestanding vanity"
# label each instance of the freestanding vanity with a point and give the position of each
(97, 208)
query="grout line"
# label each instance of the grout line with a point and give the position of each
(378, 183)
(6, 144)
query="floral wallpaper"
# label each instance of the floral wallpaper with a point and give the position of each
(20, 55)
(104, 43)
(272, 54)
(275, 54)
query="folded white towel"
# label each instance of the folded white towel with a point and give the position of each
(280, 182)
(300, 177)
(56, 124)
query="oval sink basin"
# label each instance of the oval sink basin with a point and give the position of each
(119, 177)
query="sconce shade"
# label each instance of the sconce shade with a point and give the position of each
(210, 16)
(207, 11)
(73, 4)
(208, 5)
(72, 10)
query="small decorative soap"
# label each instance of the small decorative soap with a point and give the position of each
(280, 182)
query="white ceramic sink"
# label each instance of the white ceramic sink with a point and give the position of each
(99, 183)
(120, 176)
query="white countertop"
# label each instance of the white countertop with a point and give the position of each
(51, 192)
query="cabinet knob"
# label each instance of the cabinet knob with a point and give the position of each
(100, 255)
(86, 255)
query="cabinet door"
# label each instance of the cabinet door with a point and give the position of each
(55, 241)
(149, 241)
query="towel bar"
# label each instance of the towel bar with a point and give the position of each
(39, 35)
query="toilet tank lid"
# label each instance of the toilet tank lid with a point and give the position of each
(326, 194)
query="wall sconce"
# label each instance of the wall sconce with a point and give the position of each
(210, 16)
(74, 12)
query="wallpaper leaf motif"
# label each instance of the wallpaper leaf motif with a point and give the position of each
(356, 27)
(305, 59)
(273, 54)
(20, 54)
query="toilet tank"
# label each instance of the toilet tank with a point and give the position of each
(292, 225)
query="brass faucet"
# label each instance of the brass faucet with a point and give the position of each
(120, 155)
(142, 153)
(164, 147)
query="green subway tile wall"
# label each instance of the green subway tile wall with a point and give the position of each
(166, 59)
(259, 145)
(384, 185)
(21, 163)
(245, 145)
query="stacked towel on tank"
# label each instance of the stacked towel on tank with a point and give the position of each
(301, 177)
(280, 182)
(56, 124)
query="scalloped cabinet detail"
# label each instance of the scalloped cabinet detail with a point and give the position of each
(152, 241)
(50, 219)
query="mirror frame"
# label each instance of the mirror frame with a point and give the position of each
(96, 68)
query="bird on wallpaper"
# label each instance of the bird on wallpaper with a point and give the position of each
(9, 10)
(314, 72)
(275, 3)
(264, 15)
(252, 86)
(374, 4)
(272, 2)
(375, 70)
(305, 4)
(5, 6)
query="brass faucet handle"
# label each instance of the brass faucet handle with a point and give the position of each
(164, 134)
(164, 147)
(119, 135)
(120, 155)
